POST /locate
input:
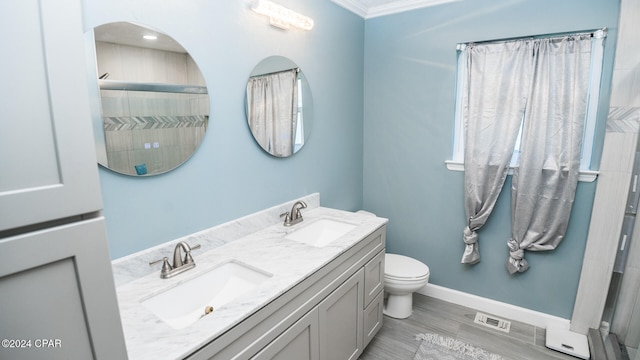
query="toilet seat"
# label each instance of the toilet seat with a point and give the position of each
(404, 278)
(399, 267)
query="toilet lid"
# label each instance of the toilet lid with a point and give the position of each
(400, 266)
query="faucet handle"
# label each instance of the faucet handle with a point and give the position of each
(188, 259)
(166, 267)
(287, 218)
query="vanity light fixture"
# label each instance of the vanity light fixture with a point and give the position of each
(280, 16)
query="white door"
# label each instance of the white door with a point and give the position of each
(48, 165)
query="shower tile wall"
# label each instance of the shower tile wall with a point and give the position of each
(132, 63)
(160, 130)
(625, 96)
(623, 125)
(626, 320)
(624, 116)
(604, 230)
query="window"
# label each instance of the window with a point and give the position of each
(586, 174)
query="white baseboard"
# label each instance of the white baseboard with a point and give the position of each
(493, 307)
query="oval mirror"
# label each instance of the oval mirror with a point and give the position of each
(279, 106)
(153, 99)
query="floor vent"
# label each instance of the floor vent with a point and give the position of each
(492, 322)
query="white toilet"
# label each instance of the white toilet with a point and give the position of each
(402, 277)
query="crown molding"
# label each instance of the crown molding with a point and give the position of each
(355, 6)
(393, 7)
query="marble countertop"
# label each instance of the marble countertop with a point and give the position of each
(289, 262)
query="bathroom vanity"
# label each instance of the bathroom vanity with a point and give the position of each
(315, 290)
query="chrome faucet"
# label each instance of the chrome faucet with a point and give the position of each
(180, 265)
(294, 216)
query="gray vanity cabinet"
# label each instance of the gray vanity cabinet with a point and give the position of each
(331, 331)
(57, 297)
(331, 315)
(337, 335)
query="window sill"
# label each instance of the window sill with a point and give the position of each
(585, 175)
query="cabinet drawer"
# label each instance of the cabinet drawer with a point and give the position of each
(373, 278)
(299, 342)
(373, 318)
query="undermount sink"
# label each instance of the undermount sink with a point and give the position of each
(321, 232)
(184, 304)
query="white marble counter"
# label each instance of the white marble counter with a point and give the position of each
(290, 262)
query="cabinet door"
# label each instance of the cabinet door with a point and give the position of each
(298, 342)
(58, 299)
(341, 320)
(47, 168)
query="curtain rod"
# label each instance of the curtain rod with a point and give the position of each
(596, 33)
(151, 87)
(276, 72)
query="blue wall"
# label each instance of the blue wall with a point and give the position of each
(397, 72)
(230, 176)
(409, 94)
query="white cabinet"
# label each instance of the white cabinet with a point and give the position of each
(57, 298)
(48, 167)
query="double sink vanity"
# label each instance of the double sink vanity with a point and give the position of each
(307, 285)
(259, 289)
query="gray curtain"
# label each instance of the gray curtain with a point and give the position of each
(494, 99)
(272, 106)
(544, 183)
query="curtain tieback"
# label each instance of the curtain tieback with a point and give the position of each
(471, 254)
(469, 236)
(516, 261)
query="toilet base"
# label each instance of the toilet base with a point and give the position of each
(399, 306)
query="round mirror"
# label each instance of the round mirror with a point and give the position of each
(279, 106)
(154, 101)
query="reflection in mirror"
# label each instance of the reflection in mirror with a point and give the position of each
(154, 102)
(279, 106)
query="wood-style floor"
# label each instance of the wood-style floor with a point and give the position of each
(396, 339)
